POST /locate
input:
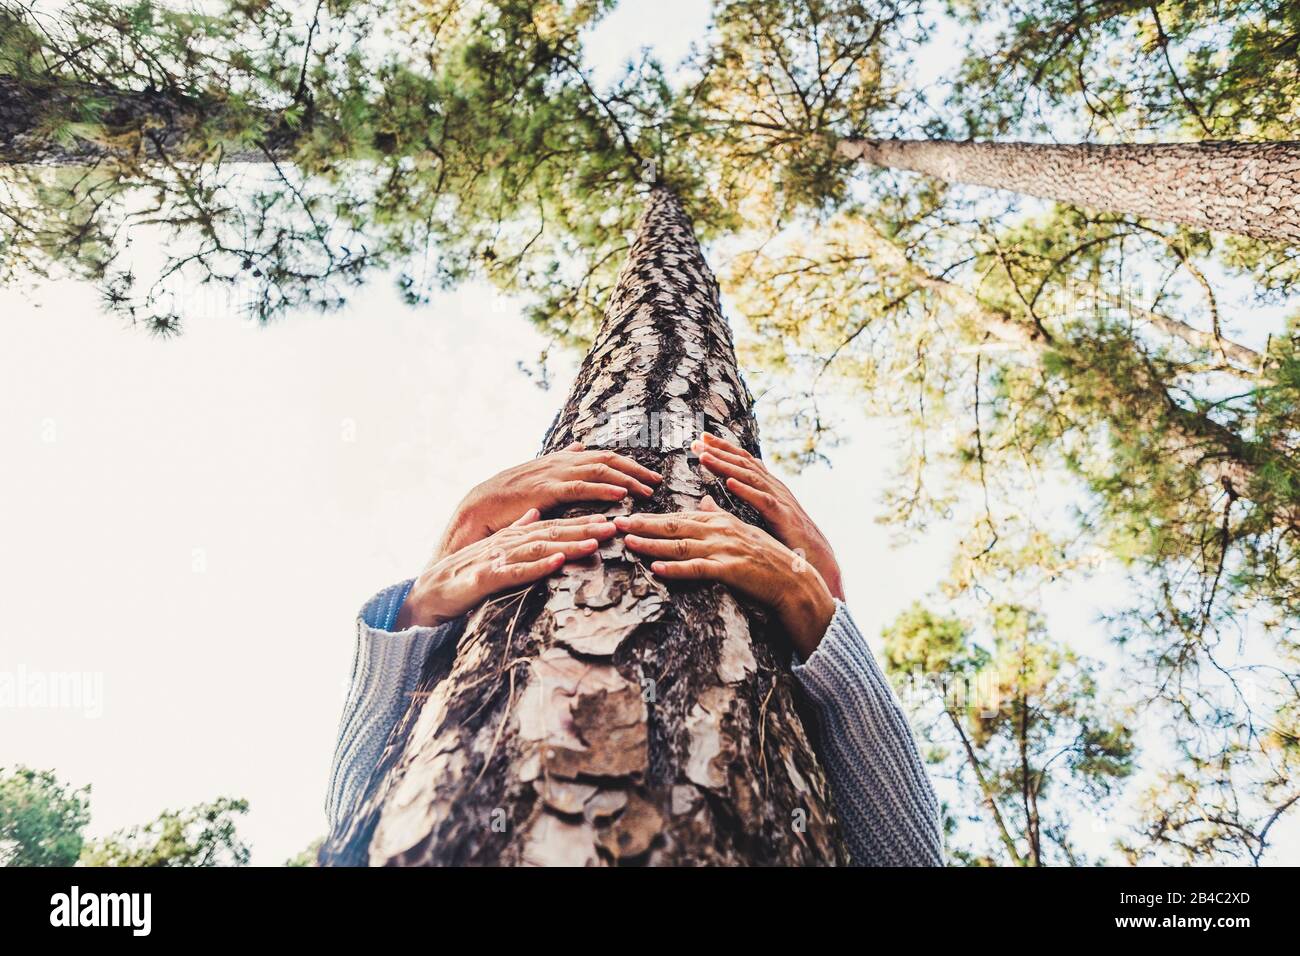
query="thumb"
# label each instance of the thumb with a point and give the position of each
(708, 504)
(528, 517)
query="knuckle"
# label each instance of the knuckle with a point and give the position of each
(682, 547)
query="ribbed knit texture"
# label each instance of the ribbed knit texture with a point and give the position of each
(886, 806)
(385, 669)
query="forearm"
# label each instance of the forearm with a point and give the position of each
(883, 797)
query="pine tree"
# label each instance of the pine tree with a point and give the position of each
(602, 717)
(1249, 189)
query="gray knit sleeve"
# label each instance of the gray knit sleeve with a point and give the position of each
(386, 667)
(883, 797)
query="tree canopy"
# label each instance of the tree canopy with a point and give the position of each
(1076, 390)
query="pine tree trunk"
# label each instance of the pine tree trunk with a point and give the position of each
(128, 126)
(1250, 189)
(599, 717)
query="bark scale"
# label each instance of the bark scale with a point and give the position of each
(1249, 189)
(600, 718)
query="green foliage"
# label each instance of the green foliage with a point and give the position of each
(308, 856)
(1211, 70)
(1020, 725)
(204, 835)
(41, 819)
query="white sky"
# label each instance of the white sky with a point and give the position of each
(197, 521)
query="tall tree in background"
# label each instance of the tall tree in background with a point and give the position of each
(1021, 725)
(600, 716)
(1249, 189)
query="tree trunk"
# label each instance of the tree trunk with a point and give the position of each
(126, 126)
(599, 717)
(1251, 189)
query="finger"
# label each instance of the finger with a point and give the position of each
(528, 517)
(565, 530)
(629, 466)
(694, 569)
(612, 476)
(731, 465)
(523, 572)
(708, 504)
(579, 490)
(676, 548)
(574, 446)
(679, 524)
(573, 520)
(766, 504)
(718, 443)
(536, 550)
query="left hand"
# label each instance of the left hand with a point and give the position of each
(748, 479)
(714, 545)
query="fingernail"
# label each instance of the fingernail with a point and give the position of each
(657, 566)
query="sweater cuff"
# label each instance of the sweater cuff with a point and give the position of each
(381, 611)
(842, 650)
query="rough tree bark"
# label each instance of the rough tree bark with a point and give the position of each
(145, 126)
(599, 717)
(1251, 189)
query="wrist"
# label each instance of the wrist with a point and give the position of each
(420, 609)
(463, 528)
(821, 557)
(807, 611)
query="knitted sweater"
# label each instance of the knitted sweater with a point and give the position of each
(881, 793)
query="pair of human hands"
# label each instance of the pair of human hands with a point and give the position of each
(496, 540)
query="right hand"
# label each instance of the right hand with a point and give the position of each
(518, 554)
(563, 477)
(748, 478)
